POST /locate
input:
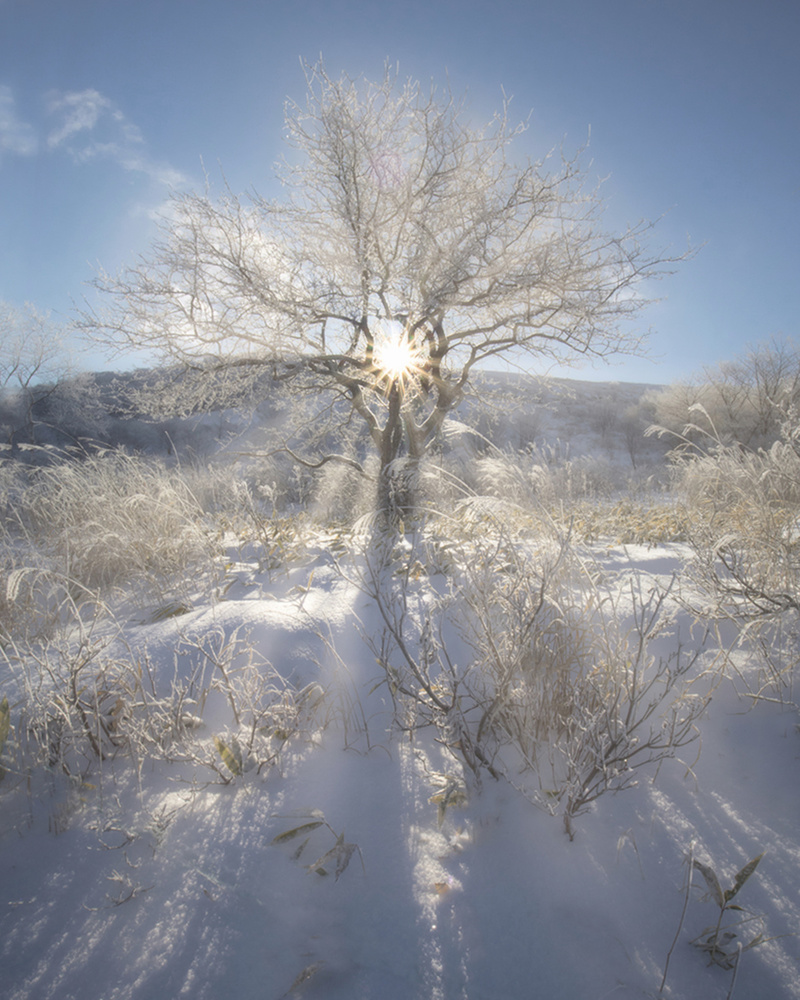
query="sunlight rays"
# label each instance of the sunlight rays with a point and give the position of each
(397, 359)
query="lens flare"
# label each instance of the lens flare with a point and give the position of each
(395, 358)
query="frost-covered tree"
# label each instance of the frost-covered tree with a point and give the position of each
(745, 400)
(32, 362)
(411, 248)
(43, 400)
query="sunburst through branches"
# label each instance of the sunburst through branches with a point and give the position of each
(397, 359)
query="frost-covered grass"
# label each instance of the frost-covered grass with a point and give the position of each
(257, 750)
(108, 521)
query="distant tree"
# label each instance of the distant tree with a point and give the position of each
(73, 412)
(410, 249)
(633, 428)
(32, 362)
(607, 420)
(43, 400)
(745, 400)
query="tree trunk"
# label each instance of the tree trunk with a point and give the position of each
(396, 499)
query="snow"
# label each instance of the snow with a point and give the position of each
(166, 881)
(153, 888)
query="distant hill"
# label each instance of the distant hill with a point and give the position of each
(511, 409)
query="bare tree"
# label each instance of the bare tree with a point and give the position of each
(32, 362)
(410, 249)
(745, 400)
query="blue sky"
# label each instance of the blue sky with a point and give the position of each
(693, 107)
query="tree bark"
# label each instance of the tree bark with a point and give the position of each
(396, 492)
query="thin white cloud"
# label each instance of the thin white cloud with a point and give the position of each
(90, 126)
(79, 112)
(15, 136)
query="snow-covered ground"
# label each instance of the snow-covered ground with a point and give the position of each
(337, 863)
(168, 883)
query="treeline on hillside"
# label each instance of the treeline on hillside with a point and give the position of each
(136, 411)
(141, 411)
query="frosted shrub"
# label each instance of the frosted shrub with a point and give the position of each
(744, 400)
(527, 668)
(81, 699)
(565, 675)
(343, 494)
(525, 651)
(743, 509)
(31, 599)
(628, 521)
(585, 496)
(502, 474)
(72, 699)
(546, 476)
(227, 708)
(629, 708)
(112, 519)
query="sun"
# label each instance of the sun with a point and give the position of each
(396, 359)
